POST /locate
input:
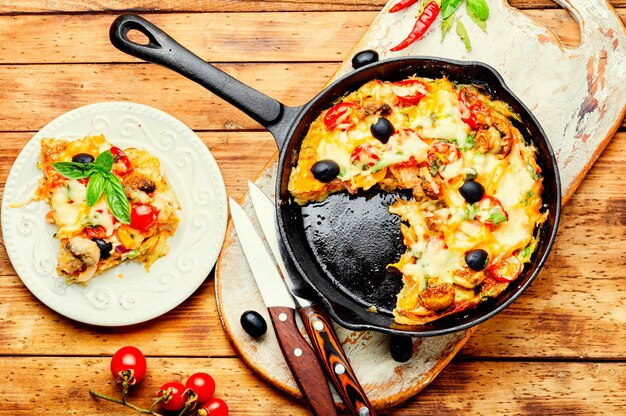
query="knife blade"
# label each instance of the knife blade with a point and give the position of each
(316, 321)
(298, 353)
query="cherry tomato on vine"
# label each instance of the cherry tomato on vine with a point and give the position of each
(202, 384)
(214, 407)
(128, 364)
(174, 395)
(143, 216)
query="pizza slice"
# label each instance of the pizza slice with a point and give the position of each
(110, 205)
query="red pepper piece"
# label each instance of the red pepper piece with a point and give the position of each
(402, 4)
(426, 19)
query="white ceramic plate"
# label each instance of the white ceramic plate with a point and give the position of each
(126, 294)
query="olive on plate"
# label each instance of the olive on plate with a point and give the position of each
(105, 248)
(83, 158)
(382, 129)
(325, 170)
(472, 191)
(477, 259)
(253, 323)
(401, 348)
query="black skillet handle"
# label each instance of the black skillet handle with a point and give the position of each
(163, 50)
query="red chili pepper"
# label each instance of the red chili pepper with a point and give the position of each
(402, 4)
(426, 19)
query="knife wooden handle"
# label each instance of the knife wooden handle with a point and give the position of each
(335, 361)
(302, 361)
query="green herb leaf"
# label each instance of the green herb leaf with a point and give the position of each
(471, 210)
(497, 217)
(116, 198)
(446, 25)
(95, 187)
(104, 160)
(479, 8)
(448, 7)
(72, 170)
(481, 23)
(462, 32)
(525, 253)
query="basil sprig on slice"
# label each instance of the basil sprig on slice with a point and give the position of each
(100, 180)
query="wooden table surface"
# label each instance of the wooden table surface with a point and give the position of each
(559, 349)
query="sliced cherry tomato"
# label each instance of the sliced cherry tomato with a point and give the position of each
(174, 395)
(410, 91)
(469, 106)
(365, 154)
(96, 232)
(122, 164)
(505, 270)
(214, 407)
(342, 116)
(202, 384)
(143, 216)
(128, 364)
(491, 212)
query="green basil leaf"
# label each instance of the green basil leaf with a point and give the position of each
(116, 198)
(480, 23)
(95, 187)
(462, 32)
(479, 8)
(448, 7)
(72, 170)
(446, 25)
(104, 160)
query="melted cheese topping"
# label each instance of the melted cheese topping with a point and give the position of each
(79, 225)
(440, 138)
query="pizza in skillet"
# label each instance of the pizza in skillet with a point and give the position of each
(476, 206)
(109, 205)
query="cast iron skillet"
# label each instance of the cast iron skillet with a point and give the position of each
(342, 245)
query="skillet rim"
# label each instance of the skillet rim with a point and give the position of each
(285, 166)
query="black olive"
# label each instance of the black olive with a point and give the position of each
(472, 191)
(105, 248)
(325, 170)
(477, 259)
(363, 58)
(253, 323)
(401, 348)
(382, 129)
(84, 158)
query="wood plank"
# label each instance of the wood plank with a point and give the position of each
(33, 95)
(52, 6)
(59, 385)
(554, 318)
(226, 37)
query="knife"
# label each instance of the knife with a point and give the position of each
(298, 353)
(316, 322)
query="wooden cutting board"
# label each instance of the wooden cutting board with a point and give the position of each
(578, 95)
